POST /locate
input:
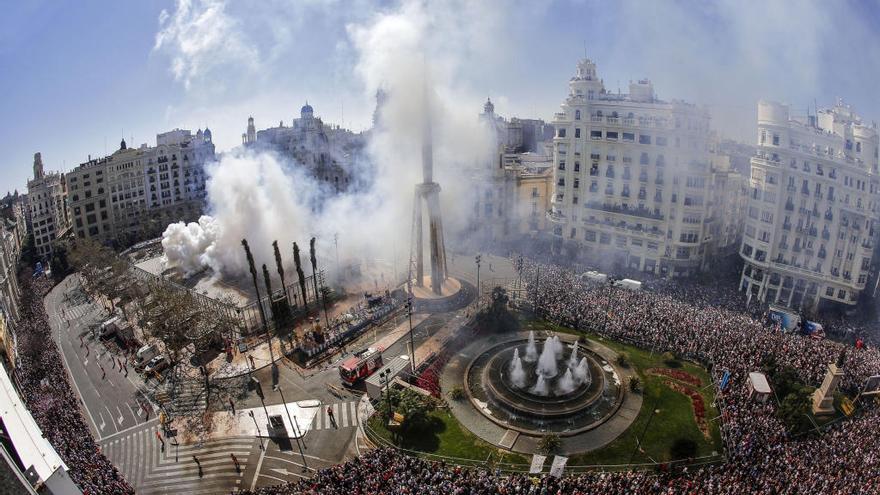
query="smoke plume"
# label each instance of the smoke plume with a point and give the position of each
(262, 197)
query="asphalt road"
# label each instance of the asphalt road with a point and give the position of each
(112, 403)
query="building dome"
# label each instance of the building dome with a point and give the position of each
(306, 110)
(488, 107)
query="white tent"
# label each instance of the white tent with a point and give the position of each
(759, 388)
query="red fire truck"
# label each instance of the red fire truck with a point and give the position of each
(361, 365)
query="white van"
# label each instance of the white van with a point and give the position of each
(147, 352)
(110, 327)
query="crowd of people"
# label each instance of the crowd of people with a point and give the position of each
(706, 326)
(50, 399)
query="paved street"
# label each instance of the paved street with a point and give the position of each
(112, 403)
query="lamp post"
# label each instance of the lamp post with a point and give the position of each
(412, 345)
(645, 430)
(478, 258)
(251, 414)
(384, 375)
(289, 420)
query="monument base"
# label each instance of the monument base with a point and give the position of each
(823, 397)
(449, 288)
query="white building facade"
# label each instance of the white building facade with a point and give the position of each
(632, 178)
(47, 200)
(811, 226)
(133, 194)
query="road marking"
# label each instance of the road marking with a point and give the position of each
(119, 418)
(111, 418)
(103, 424)
(257, 472)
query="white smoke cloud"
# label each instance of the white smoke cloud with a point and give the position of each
(261, 197)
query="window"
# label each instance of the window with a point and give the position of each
(776, 140)
(595, 134)
(611, 135)
(661, 141)
(562, 165)
(644, 139)
(829, 291)
(577, 115)
(629, 137)
(577, 132)
(560, 132)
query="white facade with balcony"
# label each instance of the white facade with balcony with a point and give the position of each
(811, 225)
(632, 178)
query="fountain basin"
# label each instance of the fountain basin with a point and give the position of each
(494, 394)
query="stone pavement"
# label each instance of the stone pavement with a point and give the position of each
(473, 420)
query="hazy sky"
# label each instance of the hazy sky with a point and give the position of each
(75, 77)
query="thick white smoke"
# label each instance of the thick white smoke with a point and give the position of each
(261, 197)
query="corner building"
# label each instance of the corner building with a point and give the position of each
(632, 178)
(811, 226)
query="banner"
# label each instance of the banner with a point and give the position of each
(725, 380)
(558, 466)
(537, 463)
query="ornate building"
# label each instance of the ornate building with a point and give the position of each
(811, 227)
(47, 198)
(329, 153)
(632, 178)
(133, 194)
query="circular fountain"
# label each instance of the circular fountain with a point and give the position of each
(555, 386)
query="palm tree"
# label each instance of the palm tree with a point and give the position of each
(315, 281)
(301, 275)
(250, 260)
(279, 266)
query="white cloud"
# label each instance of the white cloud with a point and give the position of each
(202, 40)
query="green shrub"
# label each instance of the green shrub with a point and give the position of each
(622, 360)
(683, 448)
(635, 383)
(457, 393)
(549, 443)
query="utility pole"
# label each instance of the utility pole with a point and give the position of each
(412, 345)
(305, 466)
(478, 259)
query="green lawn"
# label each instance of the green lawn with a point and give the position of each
(674, 421)
(449, 439)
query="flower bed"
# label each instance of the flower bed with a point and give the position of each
(682, 376)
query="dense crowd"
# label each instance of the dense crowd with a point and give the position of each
(706, 326)
(51, 401)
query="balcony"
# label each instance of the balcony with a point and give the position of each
(556, 216)
(612, 208)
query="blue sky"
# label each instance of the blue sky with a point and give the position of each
(75, 76)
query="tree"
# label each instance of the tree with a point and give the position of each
(253, 268)
(497, 317)
(300, 275)
(795, 410)
(280, 267)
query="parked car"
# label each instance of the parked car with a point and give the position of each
(156, 364)
(145, 354)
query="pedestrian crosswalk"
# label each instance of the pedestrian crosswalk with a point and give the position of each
(154, 464)
(184, 398)
(344, 415)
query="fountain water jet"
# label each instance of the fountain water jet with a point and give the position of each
(557, 346)
(517, 374)
(582, 373)
(531, 349)
(566, 384)
(573, 359)
(547, 362)
(541, 388)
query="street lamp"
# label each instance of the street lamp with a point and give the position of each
(251, 414)
(384, 376)
(412, 345)
(478, 259)
(305, 466)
